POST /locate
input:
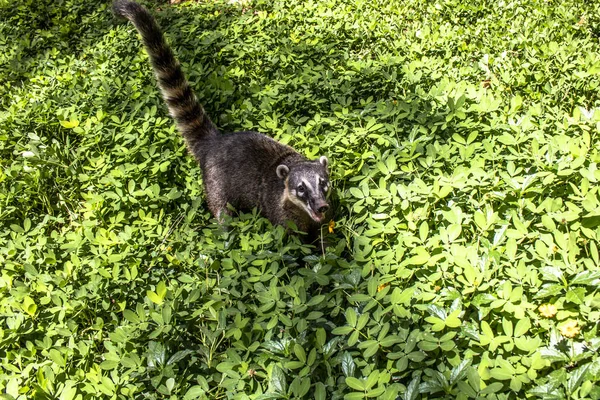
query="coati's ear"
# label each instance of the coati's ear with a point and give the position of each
(282, 171)
(323, 160)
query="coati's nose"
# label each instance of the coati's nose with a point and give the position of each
(323, 209)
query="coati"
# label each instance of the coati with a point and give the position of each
(244, 169)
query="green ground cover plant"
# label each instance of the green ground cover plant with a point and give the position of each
(463, 259)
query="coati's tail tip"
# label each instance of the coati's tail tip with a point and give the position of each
(125, 8)
(189, 115)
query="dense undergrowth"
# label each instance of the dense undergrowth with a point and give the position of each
(464, 258)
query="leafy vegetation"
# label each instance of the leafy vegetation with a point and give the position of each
(463, 260)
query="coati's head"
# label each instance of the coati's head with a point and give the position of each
(306, 185)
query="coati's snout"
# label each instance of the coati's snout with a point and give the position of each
(306, 185)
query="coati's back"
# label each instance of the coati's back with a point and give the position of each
(244, 169)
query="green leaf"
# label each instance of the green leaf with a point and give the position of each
(73, 123)
(423, 231)
(277, 381)
(351, 317)
(552, 354)
(507, 326)
(321, 336)
(362, 321)
(156, 354)
(348, 365)
(371, 349)
(466, 389)
(300, 353)
(342, 330)
(194, 392)
(355, 384)
(161, 290)
(356, 193)
(353, 338)
(480, 220)
(412, 390)
(576, 295)
(586, 278)
(474, 379)
(503, 371)
(522, 327)
(492, 388)
(453, 321)
(372, 379)
(375, 392)
(320, 392)
(180, 355)
(108, 365)
(170, 384)
(354, 396)
(421, 257)
(527, 344)
(154, 297)
(576, 378)
(57, 358)
(390, 340)
(459, 372)
(401, 296)
(501, 374)
(68, 393)
(131, 316)
(29, 306)
(548, 223)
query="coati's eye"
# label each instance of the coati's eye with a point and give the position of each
(300, 189)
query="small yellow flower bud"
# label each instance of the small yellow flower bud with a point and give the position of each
(569, 329)
(547, 310)
(382, 286)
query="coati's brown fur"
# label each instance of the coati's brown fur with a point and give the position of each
(244, 169)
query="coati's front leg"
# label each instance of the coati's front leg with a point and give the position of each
(216, 198)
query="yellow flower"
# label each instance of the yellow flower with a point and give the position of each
(547, 310)
(331, 226)
(382, 286)
(569, 329)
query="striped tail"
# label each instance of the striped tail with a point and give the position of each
(191, 120)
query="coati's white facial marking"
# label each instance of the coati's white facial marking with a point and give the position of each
(300, 204)
(308, 186)
(324, 184)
